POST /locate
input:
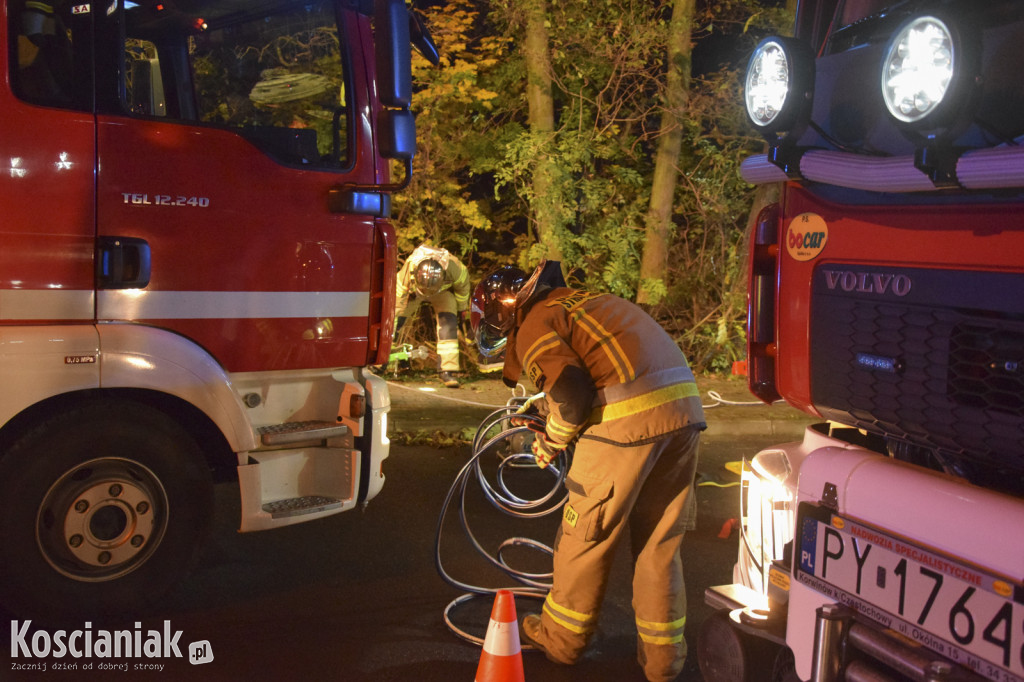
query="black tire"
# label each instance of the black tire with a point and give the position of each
(784, 669)
(720, 648)
(727, 654)
(103, 509)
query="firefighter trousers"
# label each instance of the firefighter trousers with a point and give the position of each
(447, 319)
(648, 489)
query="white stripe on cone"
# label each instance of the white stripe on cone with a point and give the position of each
(501, 659)
(502, 639)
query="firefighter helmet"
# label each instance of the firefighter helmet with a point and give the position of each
(493, 310)
(429, 277)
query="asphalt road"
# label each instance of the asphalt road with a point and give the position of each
(357, 596)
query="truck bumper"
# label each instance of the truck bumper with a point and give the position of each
(941, 525)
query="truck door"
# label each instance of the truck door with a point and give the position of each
(218, 146)
(47, 158)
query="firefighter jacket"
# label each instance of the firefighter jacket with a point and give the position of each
(609, 371)
(456, 278)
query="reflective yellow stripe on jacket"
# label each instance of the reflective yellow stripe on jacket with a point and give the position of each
(544, 343)
(641, 403)
(607, 341)
(561, 431)
(460, 284)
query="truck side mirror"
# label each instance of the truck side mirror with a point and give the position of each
(394, 54)
(397, 134)
(396, 30)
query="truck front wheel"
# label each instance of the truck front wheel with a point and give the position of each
(104, 508)
(725, 653)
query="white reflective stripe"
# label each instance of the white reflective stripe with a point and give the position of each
(136, 304)
(502, 639)
(46, 304)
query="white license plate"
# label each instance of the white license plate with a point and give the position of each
(958, 611)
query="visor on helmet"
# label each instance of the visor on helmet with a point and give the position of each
(493, 308)
(490, 341)
(429, 277)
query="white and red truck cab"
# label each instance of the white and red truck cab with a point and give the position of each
(196, 270)
(886, 297)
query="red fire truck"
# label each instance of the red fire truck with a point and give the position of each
(886, 297)
(197, 268)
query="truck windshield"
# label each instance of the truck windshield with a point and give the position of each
(849, 23)
(279, 79)
(853, 11)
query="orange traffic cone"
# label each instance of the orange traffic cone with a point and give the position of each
(502, 657)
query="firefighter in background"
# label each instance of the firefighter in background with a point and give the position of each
(617, 387)
(435, 277)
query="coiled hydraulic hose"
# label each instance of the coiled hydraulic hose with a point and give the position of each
(495, 433)
(498, 433)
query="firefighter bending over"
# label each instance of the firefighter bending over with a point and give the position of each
(618, 387)
(435, 277)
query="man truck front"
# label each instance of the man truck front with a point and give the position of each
(197, 270)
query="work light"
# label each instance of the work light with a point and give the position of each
(929, 75)
(778, 85)
(918, 69)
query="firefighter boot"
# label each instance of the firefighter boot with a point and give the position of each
(661, 663)
(448, 379)
(532, 633)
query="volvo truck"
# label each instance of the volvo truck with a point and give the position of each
(886, 298)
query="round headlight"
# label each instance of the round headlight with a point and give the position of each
(779, 77)
(767, 83)
(918, 69)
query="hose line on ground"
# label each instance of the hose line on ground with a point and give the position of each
(509, 443)
(715, 396)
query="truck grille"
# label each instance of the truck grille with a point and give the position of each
(937, 361)
(986, 367)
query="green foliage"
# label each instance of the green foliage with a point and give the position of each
(472, 190)
(446, 204)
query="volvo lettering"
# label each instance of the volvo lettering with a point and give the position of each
(867, 282)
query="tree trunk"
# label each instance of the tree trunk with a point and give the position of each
(546, 198)
(658, 229)
(791, 8)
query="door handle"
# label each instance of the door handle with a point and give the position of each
(122, 263)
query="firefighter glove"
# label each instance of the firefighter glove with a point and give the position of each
(528, 407)
(545, 451)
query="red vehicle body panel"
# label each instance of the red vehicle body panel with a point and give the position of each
(220, 217)
(47, 232)
(886, 296)
(248, 239)
(981, 237)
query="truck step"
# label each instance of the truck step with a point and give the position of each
(282, 486)
(297, 506)
(298, 432)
